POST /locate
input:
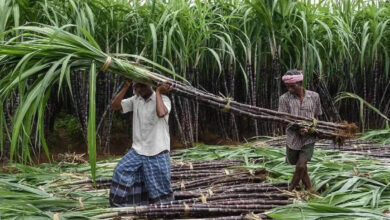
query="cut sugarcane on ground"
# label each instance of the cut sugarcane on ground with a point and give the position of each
(228, 186)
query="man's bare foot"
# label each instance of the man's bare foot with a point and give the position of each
(291, 188)
(313, 191)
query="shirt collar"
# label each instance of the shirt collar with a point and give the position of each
(152, 97)
(307, 95)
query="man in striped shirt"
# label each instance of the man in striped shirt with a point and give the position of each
(300, 143)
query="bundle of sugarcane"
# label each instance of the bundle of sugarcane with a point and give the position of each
(233, 202)
(207, 189)
(219, 180)
(326, 130)
(195, 210)
(203, 165)
(218, 189)
(169, 214)
(203, 174)
(196, 175)
(261, 193)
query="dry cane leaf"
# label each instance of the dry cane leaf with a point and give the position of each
(81, 205)
(56, 216)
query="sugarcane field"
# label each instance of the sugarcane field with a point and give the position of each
(195, 109)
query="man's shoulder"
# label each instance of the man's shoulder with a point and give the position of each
(312, 94)
(165, 98)
(285, 96)
(132, 98)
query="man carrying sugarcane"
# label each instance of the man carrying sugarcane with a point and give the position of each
(143, 176)
(300, 143)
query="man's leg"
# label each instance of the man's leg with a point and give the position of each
(292, 158)
(306, 179)
(157, 170)
(295, 180)
(299, 172)
(307, 153)
(304, 176)
(127, 187)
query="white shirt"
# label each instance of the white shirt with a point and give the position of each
(150, 133)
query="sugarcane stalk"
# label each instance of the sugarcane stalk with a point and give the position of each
(189, 171)
(189, 176)
(251, 201)
(235, 197)
(179, 126)
(182, 210)
(238, 217)
(255, 188)
(206, 165)
(251, 195)
(143, 209)
(258, 185)
(229, 179)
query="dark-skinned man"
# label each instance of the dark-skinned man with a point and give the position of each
(300, 143)
(143, 175)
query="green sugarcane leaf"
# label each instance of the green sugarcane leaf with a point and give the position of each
(25, 188)
(92, 121)
(41, 123)
(217, 59)
(64, 69)
(154, 38)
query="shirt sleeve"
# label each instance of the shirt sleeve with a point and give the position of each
(318, 107)
(283, 105)
(167, 103)
(128, 104)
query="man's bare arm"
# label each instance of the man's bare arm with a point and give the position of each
(161, 109)
(116, 102)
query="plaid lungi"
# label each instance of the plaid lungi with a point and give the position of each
(140, 180)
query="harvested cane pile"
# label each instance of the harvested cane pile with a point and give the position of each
(209, 189)
(351, 187)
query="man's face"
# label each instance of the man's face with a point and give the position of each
(293, 88)
(143, 90)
